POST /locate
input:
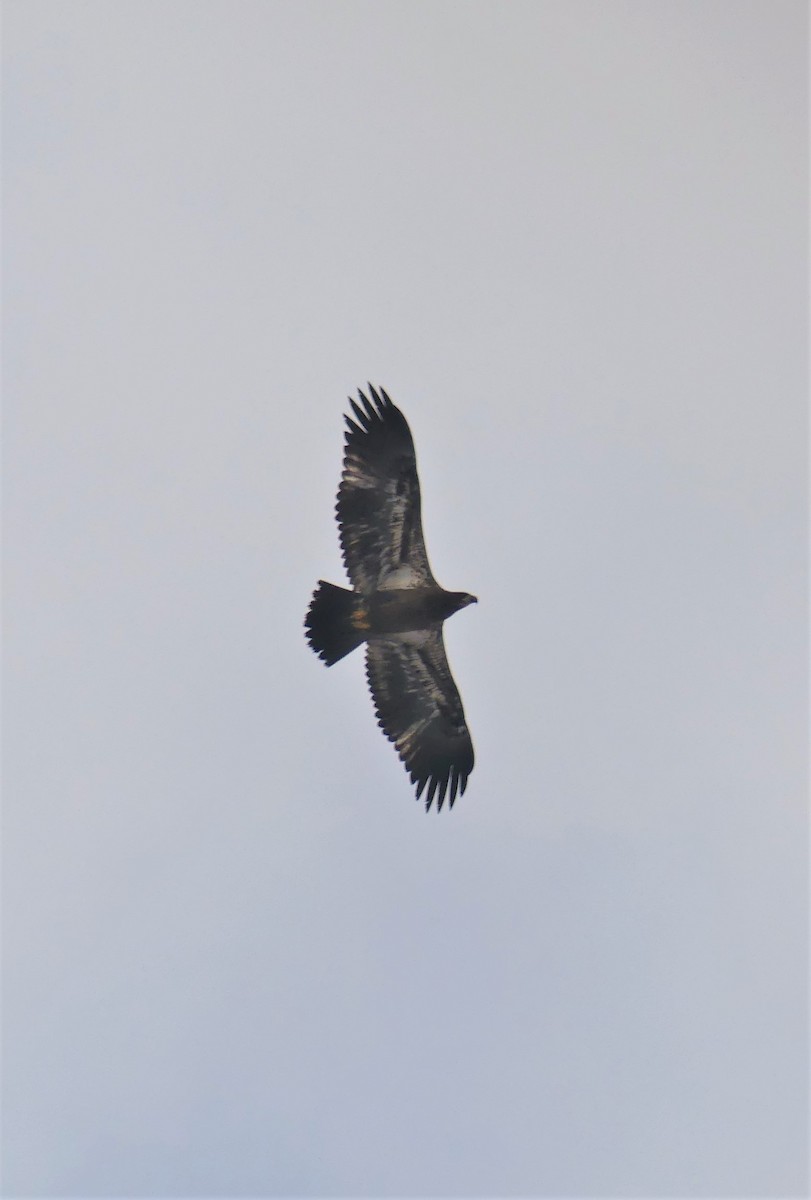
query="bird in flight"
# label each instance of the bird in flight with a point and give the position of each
(395, 606)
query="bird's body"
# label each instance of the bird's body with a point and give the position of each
(396, 606)
(400, 610)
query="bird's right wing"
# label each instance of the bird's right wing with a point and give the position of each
(378, 507)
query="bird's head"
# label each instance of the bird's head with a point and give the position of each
(462, 599)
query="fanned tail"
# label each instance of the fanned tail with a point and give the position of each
(332, 622)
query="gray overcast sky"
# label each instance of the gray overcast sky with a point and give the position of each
(569, 239)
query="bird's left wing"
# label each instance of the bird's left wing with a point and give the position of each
(419, 709)
(378, 505)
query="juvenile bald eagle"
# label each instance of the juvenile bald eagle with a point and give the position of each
(396, 606)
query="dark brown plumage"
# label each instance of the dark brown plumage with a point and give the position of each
(396, 606)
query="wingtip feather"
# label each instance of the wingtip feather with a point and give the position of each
(371, 412)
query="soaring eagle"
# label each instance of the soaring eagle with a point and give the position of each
(396, 606)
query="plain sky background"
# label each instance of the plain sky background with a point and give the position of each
(568, 237)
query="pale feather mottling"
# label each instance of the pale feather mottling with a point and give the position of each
(402, 576)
